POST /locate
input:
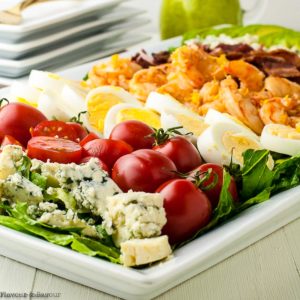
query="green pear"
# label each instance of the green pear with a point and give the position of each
(180, 16)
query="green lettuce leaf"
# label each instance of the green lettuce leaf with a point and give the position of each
(52, 237)
(95, 248)
(286, 174)
(268, 35)
(38, 180)
(24, 167)
(256, 176)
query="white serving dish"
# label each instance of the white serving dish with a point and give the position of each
(53, 14)
(195, 257)
(78, 31)
(64, 53)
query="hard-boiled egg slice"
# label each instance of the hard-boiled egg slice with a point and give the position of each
(190, 122)
(164, 102)
(100, 100)
(21, 92)
(126, 111)
(50, 81)
(46, 81)
(72, 100)
(280, 138)
(213, 116)
(222, 140)
(47, 104)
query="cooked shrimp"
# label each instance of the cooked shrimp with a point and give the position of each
(216, 105)
(210, 91)
(280, 111)
(118, 71)
(281, 87)
(148, 80)
(195, 65)
(250, 77)
(240, 105)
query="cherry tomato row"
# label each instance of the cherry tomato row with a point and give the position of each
(137, 157)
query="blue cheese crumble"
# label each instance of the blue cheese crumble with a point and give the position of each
(87, 183)
(10, 157)
(18, 188)
(134, 215)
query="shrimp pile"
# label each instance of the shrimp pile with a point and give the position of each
(202, 81)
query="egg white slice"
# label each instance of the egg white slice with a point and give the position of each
(163, 102)
(213, 116)
(47, 104)
(190, 123)
(21, 92)
(73, 100)
(46, 81)
(281, 139)
(222, 140)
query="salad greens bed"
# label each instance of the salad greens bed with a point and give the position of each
(256, 184)
(267, 35)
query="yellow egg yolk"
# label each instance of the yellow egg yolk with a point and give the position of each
(239, 143)
(285, 132)
(97, 108)
(25, 101)
(194, 125)
(147, 116)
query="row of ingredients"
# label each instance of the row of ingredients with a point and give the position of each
(124, 198)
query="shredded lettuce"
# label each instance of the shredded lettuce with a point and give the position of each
(18, 219)
(267, 35)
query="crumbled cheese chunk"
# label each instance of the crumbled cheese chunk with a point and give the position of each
(18, 188)
(9, 158)
(140, 252)
(69, 218)
(134, 215)
(87, 183)
(47, 206)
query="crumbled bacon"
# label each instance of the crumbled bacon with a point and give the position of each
(279, 62)
(232, 52)
(145, 60)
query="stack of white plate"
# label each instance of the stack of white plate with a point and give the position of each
(67, 32)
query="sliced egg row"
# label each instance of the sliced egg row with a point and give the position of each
(52, 94)
(107, 106)
(220, 136)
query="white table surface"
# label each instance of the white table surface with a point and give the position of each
(269, 269)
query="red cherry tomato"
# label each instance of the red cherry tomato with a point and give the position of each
(90, 137)
(102, 165)
(143, 170)
(16, 119)
(107, 150)
(54, 149)
(182, 152)
(9, 140)
(187, 209)
(135, 133)
(80, 130)
(56, 129)
(214, 193)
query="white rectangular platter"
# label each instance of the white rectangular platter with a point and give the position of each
(195, 257)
